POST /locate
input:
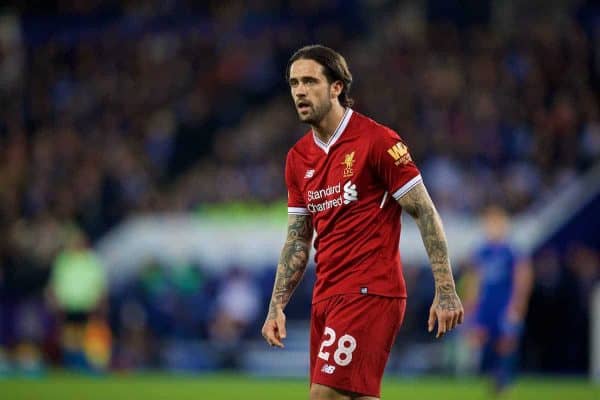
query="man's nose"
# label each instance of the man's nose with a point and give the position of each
(300, 91)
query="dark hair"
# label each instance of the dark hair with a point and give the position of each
(334, 67)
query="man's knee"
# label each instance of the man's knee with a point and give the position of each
(322, 392)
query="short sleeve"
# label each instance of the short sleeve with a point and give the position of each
(295, 200)
(393, 164)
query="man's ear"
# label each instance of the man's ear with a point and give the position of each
(335, 89)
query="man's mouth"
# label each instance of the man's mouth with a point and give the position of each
(303, 106)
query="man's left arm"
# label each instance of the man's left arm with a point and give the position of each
(446, 308)
(522, 287)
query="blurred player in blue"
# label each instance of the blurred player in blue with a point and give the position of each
(498, 289)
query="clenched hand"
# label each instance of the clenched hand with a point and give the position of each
(274, 328)
(447, 310)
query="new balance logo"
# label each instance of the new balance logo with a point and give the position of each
(350, 193)
(328, 369)
(309, 173)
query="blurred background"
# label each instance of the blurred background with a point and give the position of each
(142, 149)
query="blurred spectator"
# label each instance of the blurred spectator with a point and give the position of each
(78, 286)
(236, 309)
(165, 310)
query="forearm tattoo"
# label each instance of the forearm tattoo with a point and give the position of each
(419, 205)
(292, 262)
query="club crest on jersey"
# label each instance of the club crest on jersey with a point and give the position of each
(399, 152)
(309, 173)
(348, 163)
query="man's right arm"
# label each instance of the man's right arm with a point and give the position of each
(290, 270)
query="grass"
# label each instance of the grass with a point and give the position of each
(231, 387)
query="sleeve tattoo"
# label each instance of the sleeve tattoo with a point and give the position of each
(292, 262)
(419, 205)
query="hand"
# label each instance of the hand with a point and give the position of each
(447, 310)
(511, 329)
(477, 337)
(274, 328)
(513, 315)
(507, 344)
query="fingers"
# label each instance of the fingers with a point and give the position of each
(274, 330)
(453, 320)
(431, 321)
(441, 320)
(271, 334)
(281, 325)
(457, 318)
(446, 320)
(275, 340)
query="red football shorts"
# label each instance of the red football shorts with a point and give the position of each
(351, 337)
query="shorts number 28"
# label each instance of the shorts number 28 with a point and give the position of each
(345, 346)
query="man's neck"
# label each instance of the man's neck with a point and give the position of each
(326, 127)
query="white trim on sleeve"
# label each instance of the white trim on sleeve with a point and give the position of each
(407, 186)
(298, 211)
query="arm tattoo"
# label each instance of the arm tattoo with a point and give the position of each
(292, 262)
(419, 205)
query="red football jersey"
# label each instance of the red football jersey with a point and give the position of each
(349, 186)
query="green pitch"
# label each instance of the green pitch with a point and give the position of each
(232, 387)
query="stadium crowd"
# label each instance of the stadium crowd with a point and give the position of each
(111, 113)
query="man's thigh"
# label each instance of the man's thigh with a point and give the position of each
(356, 335)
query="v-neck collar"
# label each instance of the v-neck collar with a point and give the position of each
(336, 134)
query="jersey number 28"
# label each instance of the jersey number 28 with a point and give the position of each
(345, 346)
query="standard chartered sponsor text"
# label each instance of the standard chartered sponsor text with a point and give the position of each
(326, 205)
(322, 193)
(349, 195)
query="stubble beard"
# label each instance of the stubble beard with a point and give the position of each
(317, 114)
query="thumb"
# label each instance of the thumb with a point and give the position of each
(431, 321)
(281, 324)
